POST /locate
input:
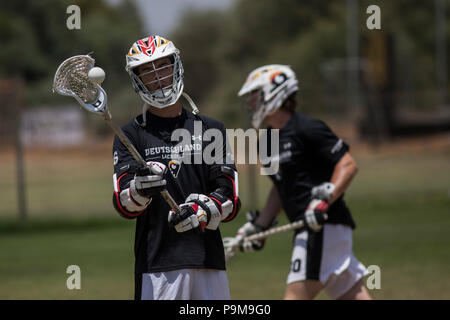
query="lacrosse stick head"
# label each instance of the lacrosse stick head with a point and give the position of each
(71, 79)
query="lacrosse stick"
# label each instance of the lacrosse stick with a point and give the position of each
(71, 79)
(231, 244)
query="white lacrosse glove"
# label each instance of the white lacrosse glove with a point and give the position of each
(315, 215)
(323, 191)
(248, 229)
(198, 213)
(148, 181)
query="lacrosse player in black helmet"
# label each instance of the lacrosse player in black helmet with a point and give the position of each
(177, 256)
(315, 168)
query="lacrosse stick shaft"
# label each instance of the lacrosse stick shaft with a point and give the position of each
(231, 246)
(276, 230)
(291, 226)
(118, 131)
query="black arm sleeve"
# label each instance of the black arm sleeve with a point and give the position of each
(223, 180)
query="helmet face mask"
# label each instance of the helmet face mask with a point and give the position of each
(254, 100)
(156, 71)
(266, 89)
(253, 103)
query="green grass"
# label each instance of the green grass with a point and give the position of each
(407, 240)
(35, 258)
(400, 203)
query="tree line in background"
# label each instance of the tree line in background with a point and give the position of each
(219, 49)
(35, 40)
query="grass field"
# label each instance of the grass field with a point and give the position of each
(400, 200)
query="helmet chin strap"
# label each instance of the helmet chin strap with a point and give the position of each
(192, 104)
(144, 114)
(145, 107)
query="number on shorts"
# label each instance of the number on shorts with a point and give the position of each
(296, 265)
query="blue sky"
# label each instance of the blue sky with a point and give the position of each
(161, 16)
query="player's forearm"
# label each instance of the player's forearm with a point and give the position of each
(128, 204)
(344, 172)
(225, 196)
(271, 209)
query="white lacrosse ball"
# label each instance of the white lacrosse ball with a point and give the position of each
(96, 75)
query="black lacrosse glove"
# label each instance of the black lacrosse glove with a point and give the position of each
(148, 180)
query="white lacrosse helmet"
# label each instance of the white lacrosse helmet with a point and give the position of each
(274, 84)
(148, 50)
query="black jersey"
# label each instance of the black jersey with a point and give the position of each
(308, 153)
(159, 247)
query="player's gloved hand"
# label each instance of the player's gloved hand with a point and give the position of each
(248, 229)
(148, 181)
(323, 191)
(199, 212)
(315, 215)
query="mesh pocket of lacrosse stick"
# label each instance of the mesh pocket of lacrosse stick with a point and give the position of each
(71, 79)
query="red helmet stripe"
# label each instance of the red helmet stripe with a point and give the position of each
(147, 45)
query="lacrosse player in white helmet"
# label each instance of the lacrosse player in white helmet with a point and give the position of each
(315, 168)
(177, 256)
